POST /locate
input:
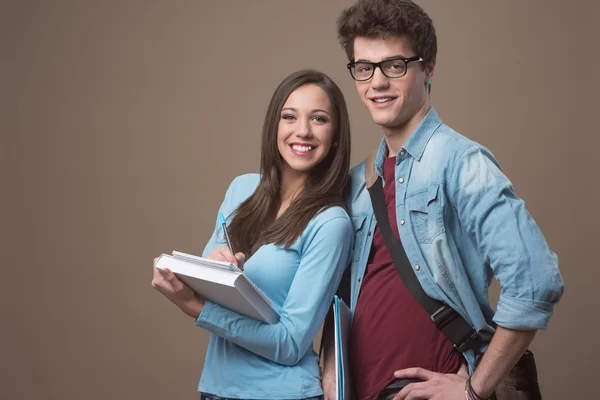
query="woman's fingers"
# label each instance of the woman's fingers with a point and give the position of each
(240, 259)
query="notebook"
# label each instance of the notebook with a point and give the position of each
(341, 329)
(222, 283)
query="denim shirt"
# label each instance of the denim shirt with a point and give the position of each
(460, 223)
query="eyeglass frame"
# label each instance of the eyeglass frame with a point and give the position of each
(376, 65)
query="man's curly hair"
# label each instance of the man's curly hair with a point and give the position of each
(388, 18)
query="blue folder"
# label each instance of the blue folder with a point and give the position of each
(341, 316)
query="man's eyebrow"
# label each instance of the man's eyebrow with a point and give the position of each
(385, 59)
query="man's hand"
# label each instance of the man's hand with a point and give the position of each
(435, 386)
(328, 381)
(178, 292)
(328, 375)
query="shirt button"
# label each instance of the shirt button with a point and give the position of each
(401, 180)
(417, 267)
(401, 222)
(402, 153)
(369, 234)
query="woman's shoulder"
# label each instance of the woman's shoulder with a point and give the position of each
(330, 227)
(334, 217)
(250, 180)
(242, 186)
(333, 212)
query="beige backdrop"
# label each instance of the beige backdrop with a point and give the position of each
(123, 122)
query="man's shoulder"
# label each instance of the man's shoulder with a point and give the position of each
(356, 188)
(357, 176)
(358, 171)
(449, 139)
(447, 147)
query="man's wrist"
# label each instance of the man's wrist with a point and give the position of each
(475, 392)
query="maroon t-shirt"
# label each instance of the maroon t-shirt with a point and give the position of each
(390, 330)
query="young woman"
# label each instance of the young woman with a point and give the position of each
(290, 226)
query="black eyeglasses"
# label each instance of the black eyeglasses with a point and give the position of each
(394, 67)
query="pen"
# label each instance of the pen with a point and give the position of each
(224, 226)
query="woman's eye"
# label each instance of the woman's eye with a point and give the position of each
(287, 117)
(318, 118)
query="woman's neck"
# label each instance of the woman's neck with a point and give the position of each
(292, 183)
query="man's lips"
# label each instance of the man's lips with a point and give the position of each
(382, 101)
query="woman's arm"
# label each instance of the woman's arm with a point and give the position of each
(324, 258)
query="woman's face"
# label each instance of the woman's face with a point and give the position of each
(306, 129)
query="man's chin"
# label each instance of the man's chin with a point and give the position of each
(385, 122)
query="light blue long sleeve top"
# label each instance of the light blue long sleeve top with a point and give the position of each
(252, 360)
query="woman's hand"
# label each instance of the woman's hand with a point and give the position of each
(224, 254)
(178, 292)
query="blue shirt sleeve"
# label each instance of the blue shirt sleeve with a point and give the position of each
(509, 240)
(325, 253)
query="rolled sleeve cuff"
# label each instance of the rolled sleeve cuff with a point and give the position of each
(520, 314)
(208, 317)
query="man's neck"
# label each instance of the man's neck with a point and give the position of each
(396, 136)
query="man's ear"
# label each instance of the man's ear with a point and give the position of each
(429, 70)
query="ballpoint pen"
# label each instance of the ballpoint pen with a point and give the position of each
(223, 224)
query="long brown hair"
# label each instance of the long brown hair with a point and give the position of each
(254, 223)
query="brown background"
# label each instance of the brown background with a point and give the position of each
(123, 122)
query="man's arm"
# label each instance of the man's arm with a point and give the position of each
(506, 348)
(328, 378)
(328, 375)
(508, 238)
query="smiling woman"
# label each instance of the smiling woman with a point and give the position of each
(295, 238)
(305, 159)
(305, 132)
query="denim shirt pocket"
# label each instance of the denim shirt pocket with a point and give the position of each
(426, 216)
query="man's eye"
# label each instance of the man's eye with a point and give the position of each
(396, 66)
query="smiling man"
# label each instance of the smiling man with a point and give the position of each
(422, 325)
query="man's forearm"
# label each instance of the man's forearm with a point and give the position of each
(327, 345)
(506, 348)
(328, 376)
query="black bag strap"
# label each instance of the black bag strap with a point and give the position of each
(451, 323)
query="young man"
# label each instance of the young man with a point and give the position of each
(458, 220)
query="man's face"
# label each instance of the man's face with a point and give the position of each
(392, 102)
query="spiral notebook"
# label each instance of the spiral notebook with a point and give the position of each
(222, 283)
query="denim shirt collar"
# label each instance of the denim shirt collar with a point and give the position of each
(416, 143)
